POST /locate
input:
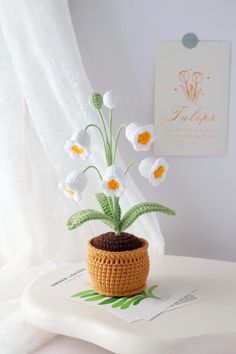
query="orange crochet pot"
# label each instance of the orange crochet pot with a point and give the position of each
(118, 273)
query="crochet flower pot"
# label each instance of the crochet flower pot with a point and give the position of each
(117, 261)
(118, 273)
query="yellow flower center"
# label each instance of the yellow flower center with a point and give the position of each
(113, 185)
(144, 138)
(159, 172)
(77, 150)
(69, 191)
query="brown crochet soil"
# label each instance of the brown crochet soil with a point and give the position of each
(117, 243)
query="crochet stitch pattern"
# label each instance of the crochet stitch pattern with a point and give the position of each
(118, 273)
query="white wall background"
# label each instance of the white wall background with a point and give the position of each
(117, 40)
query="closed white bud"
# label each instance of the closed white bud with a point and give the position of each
(110, 99)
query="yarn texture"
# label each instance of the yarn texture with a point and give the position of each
(118, 273)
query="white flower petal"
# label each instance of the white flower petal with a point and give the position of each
(113, 176)
(72, 154)
(155, 170)
(78, 145)
(130, 131)
(113, 171)
(144, 136)
(113, 192)
(75, 136)
(150, 129)
(67, 145)
(145, 166)
(139, 147)
(141, 137)
(158, 171)
(74, 184)
(76, 180)
(107, 192)
(154, 182)
(109, 99)
(68, 195)
(81, 136)
(85, 154)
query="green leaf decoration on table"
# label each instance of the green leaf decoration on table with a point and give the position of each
(105, 204)
(130, 301)
(109, 300)
(140, 209)
(95, 100)
(82, 293)
(85, 215)
(151, 289)
(88, 295)
(122, 303)
(95, 298)
(119, 303)
(137, 301)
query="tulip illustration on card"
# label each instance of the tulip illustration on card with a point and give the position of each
(191, 98)
(190, 84)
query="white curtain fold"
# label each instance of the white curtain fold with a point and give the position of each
(43, 100)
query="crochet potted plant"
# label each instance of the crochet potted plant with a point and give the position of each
(118, 261)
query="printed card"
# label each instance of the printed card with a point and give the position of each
(73, 284)
(191, 98)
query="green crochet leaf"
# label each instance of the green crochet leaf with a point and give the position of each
(95, 100)
(141, 209)
(85, 215)
(104, 203)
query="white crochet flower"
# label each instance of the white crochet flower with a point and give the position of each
(110, 99)
(74, 185)
(140, 136)
(155, 170)
(78, 145)
(113, 183)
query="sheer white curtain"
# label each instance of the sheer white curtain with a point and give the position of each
(43, 100)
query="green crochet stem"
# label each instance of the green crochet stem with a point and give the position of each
(110, 158)
(117, 214)
(117, 139)
(95, 168)
(108, 149)
(110, 129)
(129, 167)
(99, 129)
(103, 123)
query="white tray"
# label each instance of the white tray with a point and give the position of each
(216, 313)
